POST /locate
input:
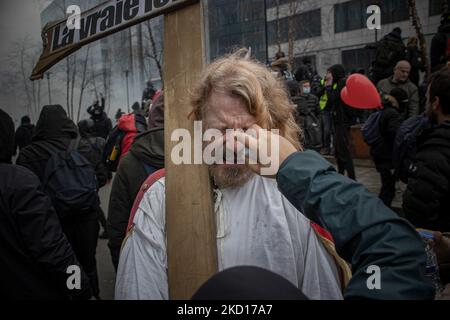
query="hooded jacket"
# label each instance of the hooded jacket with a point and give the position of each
(342, 114)
(102, 126)
(426, 201)
(34, 253)
(131, 124)
(146, 155)
(391, 45)
(53, 133)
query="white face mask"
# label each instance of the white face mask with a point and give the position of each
(306, 90)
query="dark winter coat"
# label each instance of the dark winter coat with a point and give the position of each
(24, 135)
(341, 113)
(102, 126)
(426, 202)
(6, 137)
(146, 155)
(389, 51)
(382, 153)
(34, 253)
(439, 47)
(54, 131)
(412, 55)
(92, 149)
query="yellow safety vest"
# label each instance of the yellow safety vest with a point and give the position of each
(324, 99)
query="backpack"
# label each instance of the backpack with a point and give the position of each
(313, 132)
(371, 129)
(405, 145)
(113, 149)
(70, 182)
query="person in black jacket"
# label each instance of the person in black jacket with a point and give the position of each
(426, 201)
(102, 124)
(54, 133)
(389, 51)
(34, 253)
(6, 139)
(308, 115)
(24, 133)
(412, 55)
(145, 157)
(389, 122)
(440, 46)
(342, 117)
(92, 149)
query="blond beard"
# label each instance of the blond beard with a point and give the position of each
(230, 177)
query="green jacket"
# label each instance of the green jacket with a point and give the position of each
(365, 231)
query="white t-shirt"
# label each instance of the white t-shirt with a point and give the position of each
(256, 226)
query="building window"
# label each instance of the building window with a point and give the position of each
(356, 59)
(352, 15)
(273, 3)
(348, 16)
(394, 11)
(306, 25)
(237, 23)
(436, 7)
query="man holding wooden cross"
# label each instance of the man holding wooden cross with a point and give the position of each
(255, 224)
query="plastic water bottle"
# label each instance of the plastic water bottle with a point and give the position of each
(432, 268)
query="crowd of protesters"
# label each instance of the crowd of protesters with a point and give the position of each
(328, 227)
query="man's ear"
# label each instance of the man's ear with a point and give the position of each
(436, 104)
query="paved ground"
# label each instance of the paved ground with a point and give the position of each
(365, 174)
(106, 272)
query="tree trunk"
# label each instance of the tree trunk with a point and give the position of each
(74, 71)
(68, 86)
(278, 25)
(83, 82)
(415, 19)
(155, 53)
(291, 32)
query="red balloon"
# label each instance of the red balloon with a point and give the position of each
(360, 93)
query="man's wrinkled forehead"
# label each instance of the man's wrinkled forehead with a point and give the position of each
(226, 111)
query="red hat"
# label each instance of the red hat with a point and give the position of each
(360, 93)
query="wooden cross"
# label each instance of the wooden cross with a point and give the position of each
(191, 238)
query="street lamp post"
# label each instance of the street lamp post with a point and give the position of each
(49, 90)
(128, 91)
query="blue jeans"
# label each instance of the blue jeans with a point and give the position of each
(327, 130)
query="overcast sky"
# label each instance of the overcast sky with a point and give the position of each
(19, 19)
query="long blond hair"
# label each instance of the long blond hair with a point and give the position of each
(265, 96)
